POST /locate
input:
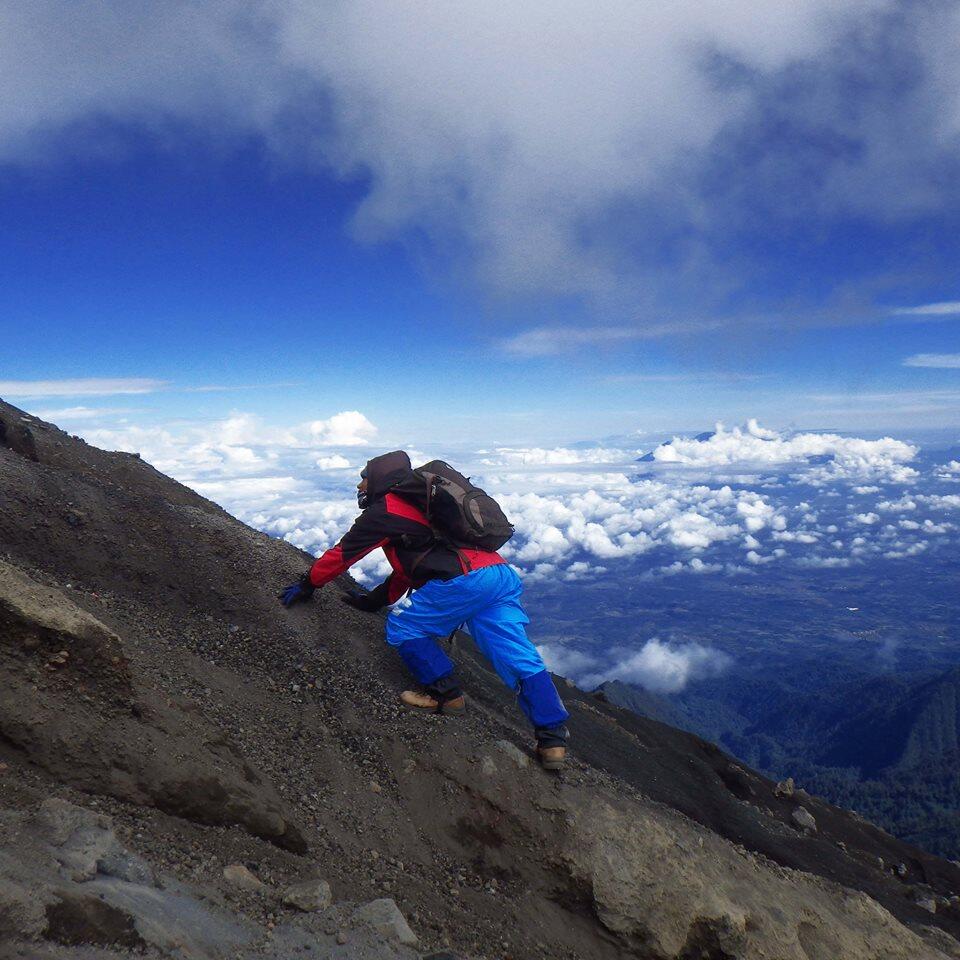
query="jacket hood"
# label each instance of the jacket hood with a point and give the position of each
(386, 471)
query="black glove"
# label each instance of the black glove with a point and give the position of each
(370, 602)
(298, 592)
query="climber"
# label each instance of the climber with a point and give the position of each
(449, 587)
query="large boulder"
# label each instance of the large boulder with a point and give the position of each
(669, 888)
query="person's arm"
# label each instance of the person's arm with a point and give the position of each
(369, 531)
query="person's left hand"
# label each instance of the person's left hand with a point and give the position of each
(361, 601)
(298, 592)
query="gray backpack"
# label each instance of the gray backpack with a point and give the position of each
(461, 513)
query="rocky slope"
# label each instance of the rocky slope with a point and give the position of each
(177, 752)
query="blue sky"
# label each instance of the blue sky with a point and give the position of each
(484, 227)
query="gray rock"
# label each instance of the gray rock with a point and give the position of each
(512, 752)
(928, 904)
(126, 866)
(237, 875)
(938, 939)
(309, 896)
(80, 839)
(804, 819)
(173, 920)
(385, 918)
(784, 788)
(487, 767)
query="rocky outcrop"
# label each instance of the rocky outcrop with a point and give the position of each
(70, 705)
(65, 879)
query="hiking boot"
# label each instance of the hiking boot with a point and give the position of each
(552, 758)
(425, 703)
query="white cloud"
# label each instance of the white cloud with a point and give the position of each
(556, 456)
(83, 387)
(824, 562)
(904, 550)
(903, 505)
(928, 310)
(260, 489)
(333, 462)
(517, 127)
(821, 456)
(659, 666)
(549, 341)
(941, 361)
(348, 429)
(64, 414)
(941, 501)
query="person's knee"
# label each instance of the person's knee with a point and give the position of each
(395, 632)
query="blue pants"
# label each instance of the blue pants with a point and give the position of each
(488, 601)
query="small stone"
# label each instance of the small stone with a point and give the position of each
(784, 788)
(309, 896)
(804, 819)
(4, 767)
(487, 767)
(900, 869)
(385, 917)
(237, 875)
(126, 866)
(375, 787)
(342, 937)
(928, 904)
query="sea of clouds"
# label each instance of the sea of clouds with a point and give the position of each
(734, 502)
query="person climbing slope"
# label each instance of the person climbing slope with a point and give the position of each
(450, 584)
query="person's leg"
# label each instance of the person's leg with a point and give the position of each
(499, 630)
(434, 610)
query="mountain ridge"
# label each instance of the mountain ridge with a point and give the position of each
(225, 730)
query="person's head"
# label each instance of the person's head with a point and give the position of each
(380, 474)
(363, 501)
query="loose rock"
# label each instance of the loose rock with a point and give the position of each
(385, 917)
(309, 896)
(237, 875)
(784, 788)
(804, 819)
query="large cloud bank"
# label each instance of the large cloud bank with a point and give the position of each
(589, 513)
(519, 128)
(736, 502)
(753, 445)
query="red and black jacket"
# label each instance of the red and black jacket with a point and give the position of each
(400, 526)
